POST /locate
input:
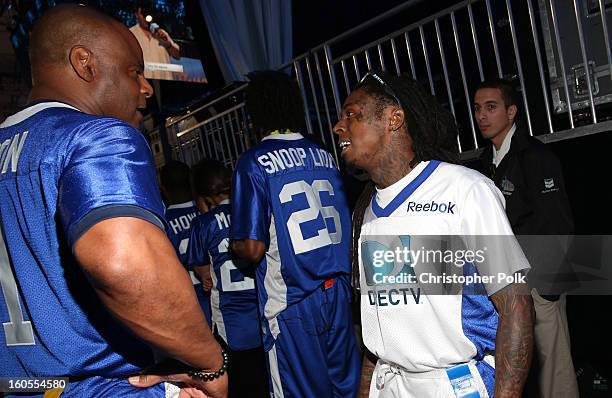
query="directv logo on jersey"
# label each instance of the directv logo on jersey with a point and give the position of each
(446, 207)
(382, 271)
(398, 275)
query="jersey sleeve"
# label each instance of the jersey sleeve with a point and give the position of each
(486, 230)
(108, 172)
(250, 208)
(197, 250)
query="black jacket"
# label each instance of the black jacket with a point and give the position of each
(531, 180)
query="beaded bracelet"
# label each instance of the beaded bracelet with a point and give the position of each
(209, 376)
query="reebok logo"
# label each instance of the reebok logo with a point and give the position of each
(446, 207)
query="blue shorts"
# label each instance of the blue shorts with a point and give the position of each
(316, 354)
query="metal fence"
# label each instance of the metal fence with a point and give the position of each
(557, 53)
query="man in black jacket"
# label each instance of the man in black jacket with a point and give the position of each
(530, 177)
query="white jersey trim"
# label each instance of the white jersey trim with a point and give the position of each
(283, 137)
(32, 110)
(184, 205)
(274, 284)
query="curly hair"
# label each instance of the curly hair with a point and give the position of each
(274, 102)
(432, 128)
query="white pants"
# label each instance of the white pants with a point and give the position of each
(557, 378)
(389, 381)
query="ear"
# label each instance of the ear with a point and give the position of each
(81, 59)
(512, 109)
(396, 121)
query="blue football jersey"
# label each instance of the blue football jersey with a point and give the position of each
(232, 298)
(287, 192)
(62, 171)
(179, 218)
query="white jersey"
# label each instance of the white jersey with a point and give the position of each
(403, 323)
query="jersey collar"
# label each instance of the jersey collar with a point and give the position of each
(287, 137)
(405, 193)
(32, 110)
(184, 205)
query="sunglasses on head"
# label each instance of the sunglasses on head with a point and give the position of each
(376, 77)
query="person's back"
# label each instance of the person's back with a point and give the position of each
(235, 319)
(179, 217)
(290, 216)
(56, 324)
(233, 300)
(305, 204)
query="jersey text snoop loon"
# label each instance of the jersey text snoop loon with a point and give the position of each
(282, 159)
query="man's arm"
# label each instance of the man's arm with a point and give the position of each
(249, 250)
(367, 369)
(514, 340)
(135, 272)
(164, 38)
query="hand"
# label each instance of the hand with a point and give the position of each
(163, 37)
(203, 273)
(190, 387)
(207, 281)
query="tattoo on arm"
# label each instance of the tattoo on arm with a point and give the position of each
(514, 341)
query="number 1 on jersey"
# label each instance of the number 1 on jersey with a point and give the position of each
(17, 331)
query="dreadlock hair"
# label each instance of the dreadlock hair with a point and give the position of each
(274, 102)
(211, 177)
(175, 177)
(431, 127)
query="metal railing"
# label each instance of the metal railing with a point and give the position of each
(557, 52)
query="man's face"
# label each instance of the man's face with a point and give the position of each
(123, 89)
(361, 134)
(492, 116)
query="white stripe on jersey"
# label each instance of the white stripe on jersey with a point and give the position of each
(215, 302)
(274, 284)
(277, 386)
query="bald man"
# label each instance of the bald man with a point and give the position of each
(89, 279)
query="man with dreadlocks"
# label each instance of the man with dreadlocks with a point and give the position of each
(289, 216)
(430, 345)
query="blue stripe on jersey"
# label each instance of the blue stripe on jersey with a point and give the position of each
(292, 188)
(404, 193)
(233, 299)
(478, 316)
(112, 211)
(487, 372)
(66, 166)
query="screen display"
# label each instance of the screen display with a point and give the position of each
(168, 47)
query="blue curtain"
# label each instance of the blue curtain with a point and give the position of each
(249, 35)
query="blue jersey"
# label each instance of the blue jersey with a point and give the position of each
(179, 217)
(61, 172)
(233, 299)
(287, 193)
